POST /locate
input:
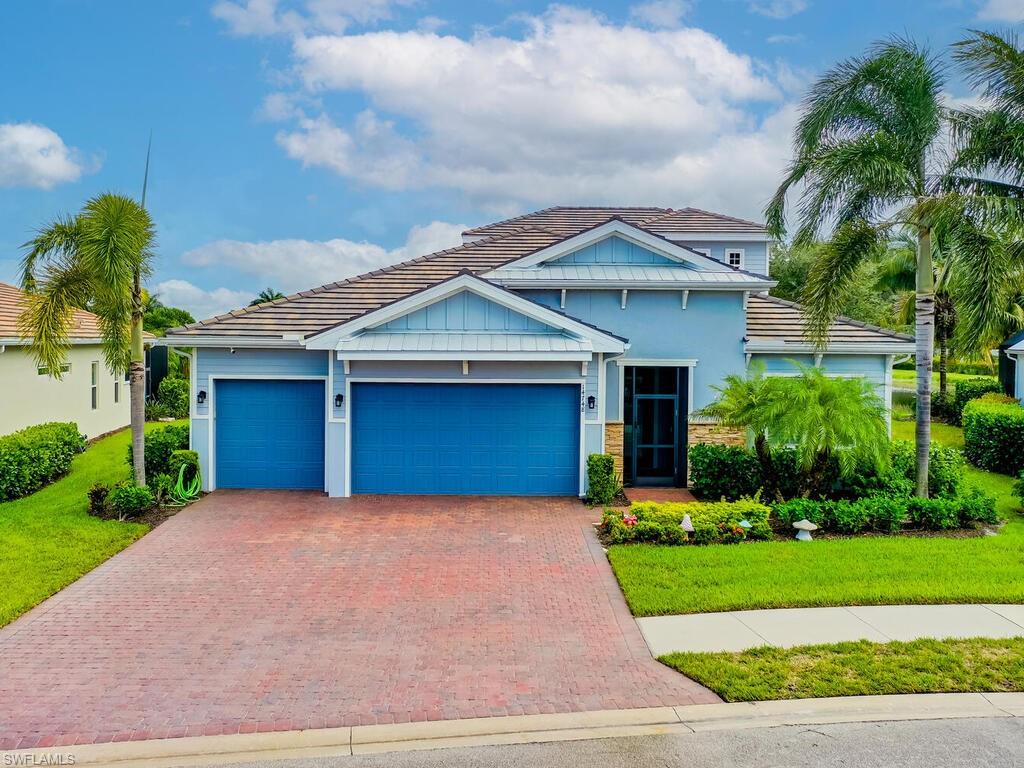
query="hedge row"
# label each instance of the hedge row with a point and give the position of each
(967, 390)
(994, 435)
(33, 457)
(660, 522)
(730, 473)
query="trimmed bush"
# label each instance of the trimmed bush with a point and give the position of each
(160, 444)
(128, 501)
(994, 436)
(946, 470)
(33, 457)
(723, 472)
(173, 394)
(800, 509)
(190, 459)
(713, 522)
(161, 485)
(970, 389)
(602, 483)
(98, 499)
(935, 514)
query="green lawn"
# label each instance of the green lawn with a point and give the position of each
(48, 539)
(858, 669)
(659, 580)
(905, 379)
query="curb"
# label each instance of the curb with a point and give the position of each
(490, 731)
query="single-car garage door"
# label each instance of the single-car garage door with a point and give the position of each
(503, 439)
(269, 433)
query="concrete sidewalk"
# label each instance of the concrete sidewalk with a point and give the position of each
(788, 627)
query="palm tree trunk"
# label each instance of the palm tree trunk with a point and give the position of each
(943, 355)
(137, 388)
(924, 326)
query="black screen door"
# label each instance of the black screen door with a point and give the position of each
(654, 436)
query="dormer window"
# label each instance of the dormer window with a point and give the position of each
(734, 257)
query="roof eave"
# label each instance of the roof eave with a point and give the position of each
(895, 347)
(647, 285)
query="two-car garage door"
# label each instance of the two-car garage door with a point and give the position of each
(503, 439)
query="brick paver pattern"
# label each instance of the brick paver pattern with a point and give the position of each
(258, 610)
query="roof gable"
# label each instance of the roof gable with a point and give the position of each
(466, 311)
(466, 282)
(613, 250)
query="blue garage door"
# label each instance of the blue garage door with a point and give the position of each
(507, 439)
(269, 434)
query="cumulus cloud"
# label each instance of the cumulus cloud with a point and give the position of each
(1009, 11)
(778, 9)
(783, 39)
(660, 13)
(294, 265)
(32, 155)
(516, 121)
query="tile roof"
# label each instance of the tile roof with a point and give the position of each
(567, 220)
(497, 244)
(776, 320)
(85, 325)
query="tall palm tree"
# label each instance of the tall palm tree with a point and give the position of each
(96, 259)
(868, 156)
(265, 296)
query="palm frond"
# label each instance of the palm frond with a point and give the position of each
(58, 240)
(48, 314)
(993, 63)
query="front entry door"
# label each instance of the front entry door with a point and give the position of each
(654, 449)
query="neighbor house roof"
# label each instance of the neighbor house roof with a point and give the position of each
(776, 322)
(566, 220)
(85, 325)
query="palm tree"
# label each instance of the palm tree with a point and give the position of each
(866, 150)
(97, 259)
(265, 296)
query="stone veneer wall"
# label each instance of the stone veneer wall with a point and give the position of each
(715, 434)
(613, 443)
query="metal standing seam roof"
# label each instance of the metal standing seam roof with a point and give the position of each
(464, 342)
(620, 273)
(775, 320)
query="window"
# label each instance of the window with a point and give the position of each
(95, 382)
(734, 258)
(42, 370)
(117, 391)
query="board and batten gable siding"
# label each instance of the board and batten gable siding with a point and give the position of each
(614, 250)
(755, 254)
(466, 311)
(710, 330)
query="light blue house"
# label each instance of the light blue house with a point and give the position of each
(496, 367)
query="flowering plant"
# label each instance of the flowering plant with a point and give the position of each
(629, 519)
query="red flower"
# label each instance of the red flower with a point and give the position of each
(629, 519)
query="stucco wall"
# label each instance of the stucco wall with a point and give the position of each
(29, 398)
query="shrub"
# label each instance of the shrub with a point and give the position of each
(994, 436)
(35, 456)
(723, 472)
(156, 410)
(173, 394)
(800, 509)
(848, 516)
(188, 459)
(944, 406)
(98, 500)
(601, 480)
(160, 444)
(978, 506)
(888, 513)
(970, 389)
(946, 470)
(712, 521)
(647, 531)
(936, 514)
(128, 501)
(161, 485)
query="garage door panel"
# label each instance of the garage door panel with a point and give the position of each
(465, 438)
(269, 434)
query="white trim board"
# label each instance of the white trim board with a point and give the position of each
(480, 356)
(602, 342)
(660, 245)
(890, 348)
(653, 362)
(715, 237)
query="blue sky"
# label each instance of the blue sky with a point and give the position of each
(298, 142)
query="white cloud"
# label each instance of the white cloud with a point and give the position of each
(262, 18)
(201, 303)
(294, 265)
(516, 121)
(660, 13)
(778, 9)
(1011, 11)
(32, 155)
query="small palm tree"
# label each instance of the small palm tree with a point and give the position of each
(265, 296)
(866, 151)
(96, 259)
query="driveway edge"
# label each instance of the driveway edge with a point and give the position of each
(488, 731)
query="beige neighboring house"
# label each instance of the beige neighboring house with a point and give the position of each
(87, 394)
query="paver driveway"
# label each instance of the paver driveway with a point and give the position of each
(258, 610)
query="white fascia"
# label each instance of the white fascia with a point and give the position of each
(716, 237)
(329, 339)
(753, 284)
(789, 348)
(477, 356)
(277, 342)
(627, 232)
